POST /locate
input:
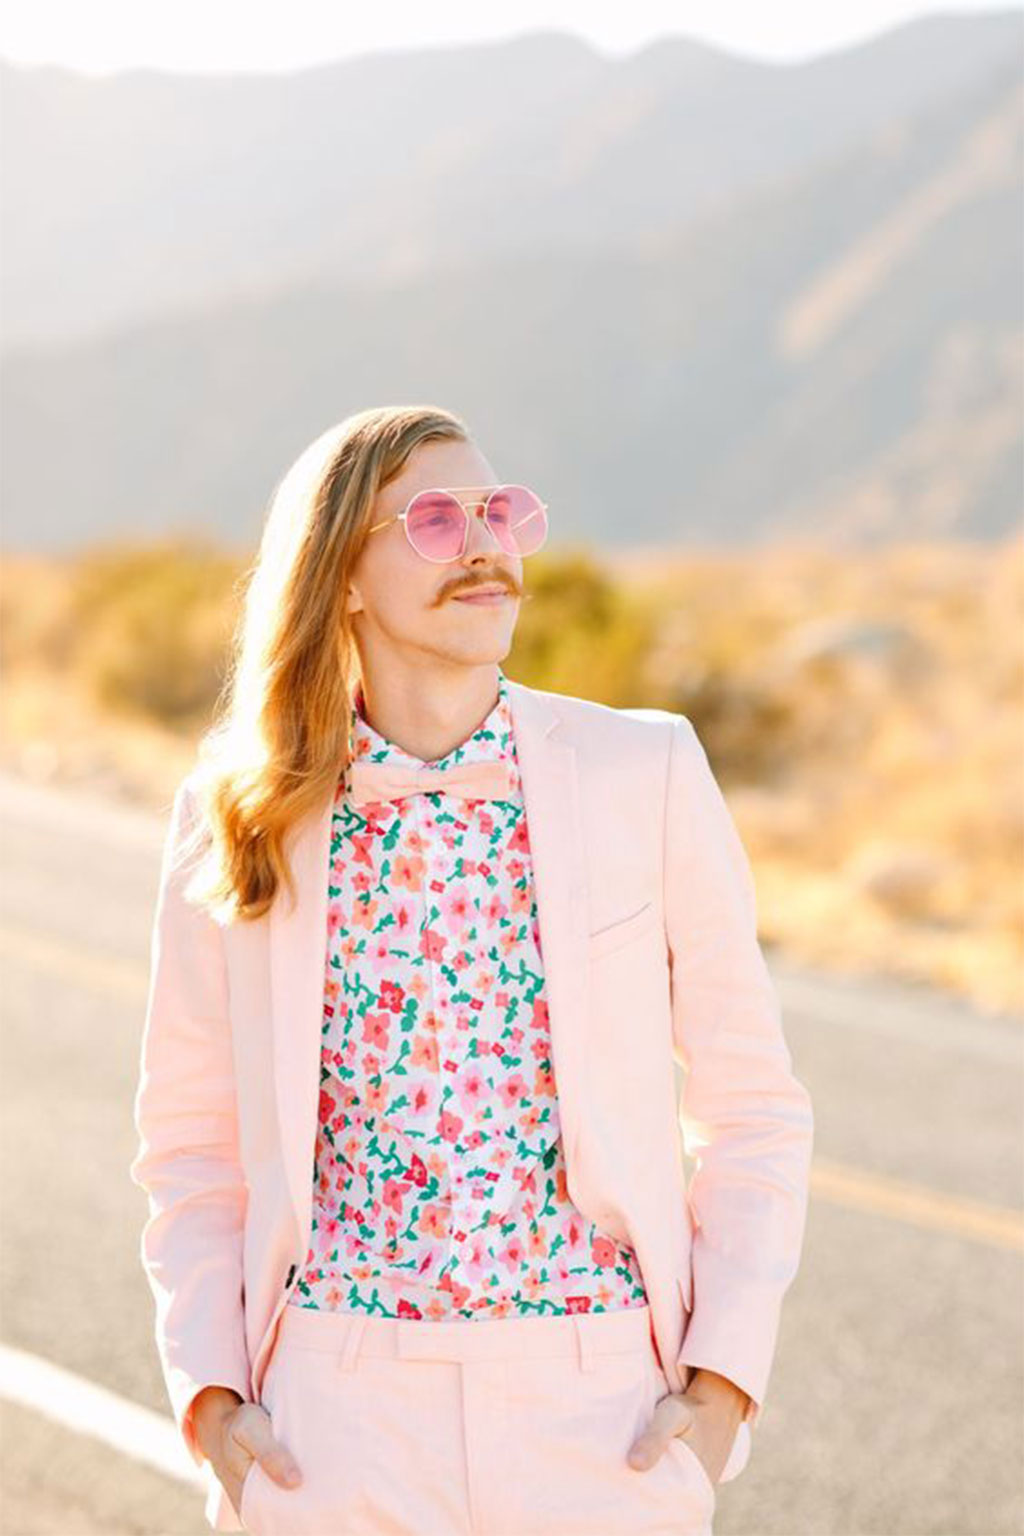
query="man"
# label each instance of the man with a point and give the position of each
(481, 869)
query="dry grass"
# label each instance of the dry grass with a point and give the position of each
(864, 713)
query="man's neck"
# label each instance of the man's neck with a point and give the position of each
(428, 715)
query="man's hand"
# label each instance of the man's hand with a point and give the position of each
(233, 1434)
(707, 1415)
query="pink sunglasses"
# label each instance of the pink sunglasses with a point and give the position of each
(437, 521)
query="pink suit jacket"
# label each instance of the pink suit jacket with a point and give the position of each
(646, 907)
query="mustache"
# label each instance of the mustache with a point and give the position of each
(498, 580)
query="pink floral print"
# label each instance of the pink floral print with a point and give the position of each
(439, 1176)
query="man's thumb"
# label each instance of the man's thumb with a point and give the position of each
(251, 1428)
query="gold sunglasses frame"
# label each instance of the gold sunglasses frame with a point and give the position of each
(450, 490)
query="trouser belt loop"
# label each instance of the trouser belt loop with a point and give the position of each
(583, 1340)
(350, 1349)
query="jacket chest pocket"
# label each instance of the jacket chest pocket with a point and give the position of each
(623, 931)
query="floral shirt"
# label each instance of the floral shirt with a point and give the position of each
(439, 1176)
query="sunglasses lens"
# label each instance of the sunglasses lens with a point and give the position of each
(518, 519)
(435, 524)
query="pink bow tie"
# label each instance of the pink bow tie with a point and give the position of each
(488, 780)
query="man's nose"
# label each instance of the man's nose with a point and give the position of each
(479, 539)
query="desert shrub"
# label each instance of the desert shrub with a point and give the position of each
(152, 626)
(580, 632)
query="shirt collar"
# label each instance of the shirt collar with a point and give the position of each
(493, 737)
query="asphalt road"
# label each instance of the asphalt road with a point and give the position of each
(896, 1403)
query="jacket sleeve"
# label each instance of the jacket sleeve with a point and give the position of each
(187, 1159)
(745, 1118)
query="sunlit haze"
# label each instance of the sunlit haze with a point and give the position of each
(193, 35)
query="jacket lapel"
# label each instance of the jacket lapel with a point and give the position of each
(298, 956)
(551, 794)
(298, 940)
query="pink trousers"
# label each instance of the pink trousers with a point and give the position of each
(513, 1426)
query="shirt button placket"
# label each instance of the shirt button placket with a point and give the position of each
(428, 845)
(460, 1213)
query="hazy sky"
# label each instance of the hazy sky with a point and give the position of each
(198, 35)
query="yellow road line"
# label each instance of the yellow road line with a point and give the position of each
(838, 1183)
(76, 965)
(996, 1225)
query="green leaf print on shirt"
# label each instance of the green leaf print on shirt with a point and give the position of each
(449, 1198)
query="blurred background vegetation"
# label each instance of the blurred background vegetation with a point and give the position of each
(861, 711)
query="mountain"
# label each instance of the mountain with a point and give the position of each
(689, 297)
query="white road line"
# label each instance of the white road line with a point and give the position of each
(79, 1405)
(934, 1022)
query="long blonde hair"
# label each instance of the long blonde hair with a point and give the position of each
(280, 732)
